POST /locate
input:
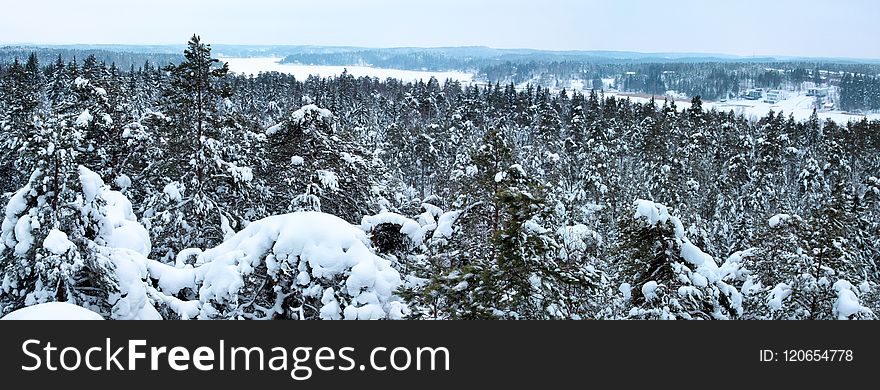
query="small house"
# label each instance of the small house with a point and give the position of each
(773, 96)
(818, 92)
(752, 95)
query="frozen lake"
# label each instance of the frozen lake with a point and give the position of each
(267, 64)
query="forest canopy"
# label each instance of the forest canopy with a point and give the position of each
(181, 190)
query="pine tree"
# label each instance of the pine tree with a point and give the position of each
(194, 184)
(21, 89)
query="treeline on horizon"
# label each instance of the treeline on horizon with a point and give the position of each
(710, 78)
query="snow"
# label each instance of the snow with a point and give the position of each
(410, 228)
(500, 176)
(81, 82)
(172, 190)
(148, 313)
(53, 311)
(328, 179)
(296, 160)
(707, 270)
(122, 242)
(308, 111)
(171, 279)
(16, 232)
(122, 181)
(778, 219)
(445, 224)
(56, 242)
(324, 246)
(226, 228)
(125, 232)
(130, 269)
(331, 309)
(431, 213)
(689, 291)
(120, 245)
(91, 183)
(130, 235)
(625, 290)
(706, 265)
(847, 302)
(241, 174)
(697, 279)
(274, 129)
(255, 66)
(349, 158)
(732, 267)
(797, 104)
(649, 290)
(750, 286)
(778, 295)
(652, 212)
(519, 169)
(533, 227)
(84, 119)
(578, 237)
(120, 228)
(23, 237)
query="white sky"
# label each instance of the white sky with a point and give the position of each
(828, 28)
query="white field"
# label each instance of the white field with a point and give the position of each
(797, 104)
(254, 66)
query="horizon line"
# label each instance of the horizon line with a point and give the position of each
(656, 53)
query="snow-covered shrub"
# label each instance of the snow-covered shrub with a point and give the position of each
(77, 242)
(303, 265)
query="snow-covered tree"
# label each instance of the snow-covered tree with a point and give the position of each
(194, 183)
(68, 238)
(666, 276)
(309, 164)
(303, 265)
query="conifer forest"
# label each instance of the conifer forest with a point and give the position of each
(168, 186)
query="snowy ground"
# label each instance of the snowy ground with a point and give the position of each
(800, 105)
(796, 103)
(268, 64)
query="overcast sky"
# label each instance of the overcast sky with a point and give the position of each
(828, 28)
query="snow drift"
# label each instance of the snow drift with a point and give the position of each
(53, 311)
